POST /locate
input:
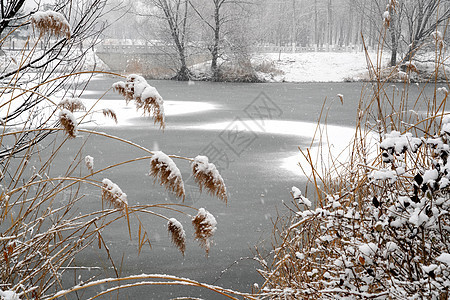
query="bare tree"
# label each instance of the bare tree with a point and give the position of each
(218, 19)
(175, 15)
(45, 59)
(422, 20)
(410, 24)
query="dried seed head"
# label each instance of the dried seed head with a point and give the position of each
(69, 122)
(386, 18)
(50, 22)
(144, 95)
(112, 194)
(89, 161)
(205, 225)
(109, 113)
(207, 176)
(177, 233)
(72, 104)
(163, 167)
(123, 89)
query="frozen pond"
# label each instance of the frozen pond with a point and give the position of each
(256, 128)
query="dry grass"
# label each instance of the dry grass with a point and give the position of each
(177, 233)
(72, 104)
(44, 226)
(380, 226)
(68, 122)
(109, 113)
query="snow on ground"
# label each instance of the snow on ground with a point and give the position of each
(307, 66)
(315, 66)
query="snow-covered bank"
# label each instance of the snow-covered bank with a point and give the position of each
(301, 67)
(314, 66)
(324, 67)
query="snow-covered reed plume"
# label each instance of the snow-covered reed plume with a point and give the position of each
(112, 194)
(72, 104)
(69, 122)
(9, 295)
(45, 223)
(145, 96)
(207, 176)
(163, 168)
(89, 162)
(205, 225)
(109, 113)
(51, 22)
(177, 234)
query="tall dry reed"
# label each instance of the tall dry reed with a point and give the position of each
(43, 229)
(380, 225)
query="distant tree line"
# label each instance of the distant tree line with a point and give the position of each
(229, 28)
(410, 23)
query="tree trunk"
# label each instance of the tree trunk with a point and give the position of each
(394, 42)
(330, 24)
(215, 48)
(316, 33)
(178, 35)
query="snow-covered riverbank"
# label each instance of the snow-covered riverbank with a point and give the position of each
(304, 67)
(315, 66)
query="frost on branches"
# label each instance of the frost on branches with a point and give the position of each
(387, 238)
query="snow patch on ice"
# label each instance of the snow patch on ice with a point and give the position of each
(336, 140)
(126, 113)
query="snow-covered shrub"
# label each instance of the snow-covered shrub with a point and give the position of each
(387, 238)
(378, 224)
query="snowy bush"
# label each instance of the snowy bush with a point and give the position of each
(378, 224)
(390, 242)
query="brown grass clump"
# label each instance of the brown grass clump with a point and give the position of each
(145, 96)
(109, 113)
(207, 176)
(112, 194)
(51, 22)
(177, 234)
(68, 122)
(376, 227)
(45, 223)
(72, 104)
(205, 225)
(163, 167)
